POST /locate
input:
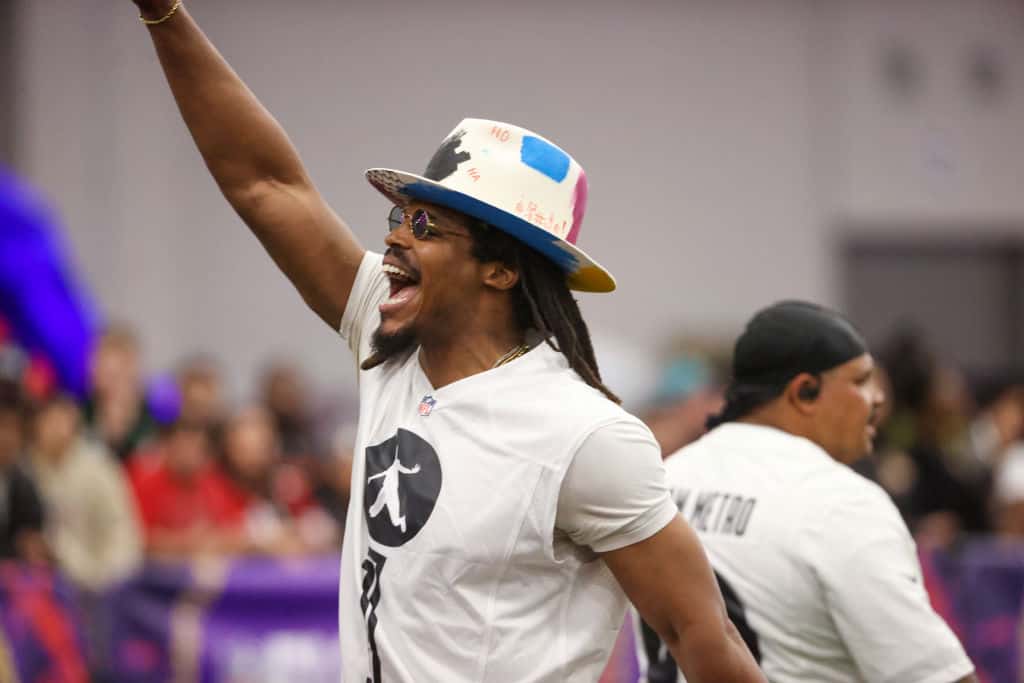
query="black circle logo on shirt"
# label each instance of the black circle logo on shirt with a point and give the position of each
(403, 480)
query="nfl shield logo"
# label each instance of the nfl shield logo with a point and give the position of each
(426, 405)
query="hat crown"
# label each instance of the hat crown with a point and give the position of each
(515, 169)
(514, 179)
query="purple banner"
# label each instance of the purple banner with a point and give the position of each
(221, 621)
(980, 592)
(256, 621)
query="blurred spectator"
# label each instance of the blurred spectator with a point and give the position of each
(286, 397)
(334, 481)
(202, 392)
(21, 510)
(116, 410)
(687, 393)
(937, 451)
(91, 519)
(91, 522)
(1009, 494)
(186, 504)
(275, 496)
(999, 425)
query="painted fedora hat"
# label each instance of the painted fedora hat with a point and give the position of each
(514, 180)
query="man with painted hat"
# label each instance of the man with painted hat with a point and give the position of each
(818, 569)
(503, 505)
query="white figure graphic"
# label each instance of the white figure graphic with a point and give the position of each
(387, 497)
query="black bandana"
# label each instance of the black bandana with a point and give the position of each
(791, 337)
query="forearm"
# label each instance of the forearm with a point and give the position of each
(707, 659)
(670, 582)
(242, 144)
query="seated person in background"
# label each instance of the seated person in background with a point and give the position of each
(274, 497)
(1008, 495)
(116, 411)
(91, 520)
(186, 504)
(285, 395)
(818, 569)
(202, 391)
(21, 511)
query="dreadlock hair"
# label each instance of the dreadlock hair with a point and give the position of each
(542, 300)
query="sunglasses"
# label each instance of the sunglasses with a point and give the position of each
(421, 224)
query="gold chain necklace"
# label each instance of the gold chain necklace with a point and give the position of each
(511, 355)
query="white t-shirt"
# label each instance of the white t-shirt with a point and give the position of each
(816, 564)
(476, 514)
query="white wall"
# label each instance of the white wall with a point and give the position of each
(942, 153)
(722, 138)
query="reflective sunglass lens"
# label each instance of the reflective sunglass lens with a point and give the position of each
(420, 223)
(395, 218)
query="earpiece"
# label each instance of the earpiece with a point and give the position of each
(808, 391)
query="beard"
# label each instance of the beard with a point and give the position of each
(384, 347)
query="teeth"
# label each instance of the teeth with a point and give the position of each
(397, 272)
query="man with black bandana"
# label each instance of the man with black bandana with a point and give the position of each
(818, 570)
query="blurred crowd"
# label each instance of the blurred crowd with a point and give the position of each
(137, 470)
(140, 470)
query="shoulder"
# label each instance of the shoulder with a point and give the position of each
(542, 381)
(360, 316)
(852, 508)
(93, 458)
(688, 456)
(734, 440)
(614, 492)
(850, 493)
(618, 431)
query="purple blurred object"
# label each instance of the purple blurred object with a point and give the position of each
(46, 305)
(163, 398)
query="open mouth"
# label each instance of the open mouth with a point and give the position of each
(404, 285)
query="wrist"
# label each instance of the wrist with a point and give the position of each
(157, 11)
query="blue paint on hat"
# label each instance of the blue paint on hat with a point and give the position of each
(537, 238)
(541, 155)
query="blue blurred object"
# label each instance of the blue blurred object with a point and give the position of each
(47, 307)
(682, 377)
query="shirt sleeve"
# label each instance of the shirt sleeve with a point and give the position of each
(867, 563)
(361, 315)
(614, 492)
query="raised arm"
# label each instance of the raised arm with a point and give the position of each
(255, 164)
(669, 580)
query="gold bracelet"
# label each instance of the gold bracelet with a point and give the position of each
(154, 22)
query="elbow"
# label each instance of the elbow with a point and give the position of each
(716, 656)
(247, 197)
